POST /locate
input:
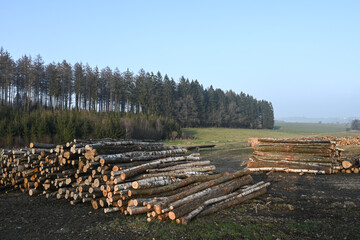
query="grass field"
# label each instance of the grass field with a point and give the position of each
(223, 137)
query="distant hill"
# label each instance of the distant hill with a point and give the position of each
(317, 120)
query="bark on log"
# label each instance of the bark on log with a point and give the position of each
(137, 210)
(237, 200)
(228, 197)
(181, 207)
(153, 182)
(348, 163)
(130, 172)
(113, 158)
(295, 157)
(173, 186)
(200, 187)
(111, 209)
(288, 170)
(179, 166)
(256, 163)
(42, 145)
(306, 149)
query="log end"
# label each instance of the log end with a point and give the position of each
(135, 185)
(172, 215)
(122, 176)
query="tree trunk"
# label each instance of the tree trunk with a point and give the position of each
(183, 206)
(200, 187)
(237, 200)
(153, 182)
(173, 186)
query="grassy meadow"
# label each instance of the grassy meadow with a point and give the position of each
(223, 137)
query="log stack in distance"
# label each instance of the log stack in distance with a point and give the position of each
(318, 156)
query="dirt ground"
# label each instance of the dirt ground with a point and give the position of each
(295, 207)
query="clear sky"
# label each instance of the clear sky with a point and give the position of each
(303, 56)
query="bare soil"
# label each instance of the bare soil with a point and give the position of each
(295, 207)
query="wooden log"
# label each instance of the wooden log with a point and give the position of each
(289, 170)
(227, 197)
(304, 149)
(173, 186)
(130, 172)
(180, 166)
(178, 174)
(133, 210)
(147, 156)
(34, 191)
(122, 186)
(42, 145)
(111, 209)
(254, 163)
(153, 182)
(237, 200)
(181, 207)
(284, 140)
(348, 163)
(295, 157)
(226, 177)
(113, 158)
(297, 163)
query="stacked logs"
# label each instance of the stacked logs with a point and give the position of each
(294, 155)
(342, 141)
(350, 165)
(163, 182)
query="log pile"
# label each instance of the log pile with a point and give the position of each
(350, 165)
(348, 141)
(162, 182)
(342, 141)
(294, 155)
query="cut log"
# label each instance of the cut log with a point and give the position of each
(173, 186)
(137, 210)
(182, 206)
(228, 197)
(42, 145)
(200, 187)
(295, 157)
(153, 182)
(288, 170)
(225, 204)
(257, 163)
(197, 169)
(111, 209)
(348, 163)
(127, 173)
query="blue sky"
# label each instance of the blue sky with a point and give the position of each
(303, 56)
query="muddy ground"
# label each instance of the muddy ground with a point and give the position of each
(295, 207)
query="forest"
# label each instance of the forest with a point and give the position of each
(28, 84)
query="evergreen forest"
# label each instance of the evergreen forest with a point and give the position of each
(67, 101)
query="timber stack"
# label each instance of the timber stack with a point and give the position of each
(132, 177)
(350, 165)
(294, 155)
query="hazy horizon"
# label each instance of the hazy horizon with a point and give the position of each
(303, 56)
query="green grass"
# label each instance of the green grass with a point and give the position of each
(212, 227)
(222, 137)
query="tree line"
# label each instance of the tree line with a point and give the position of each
(28, 83)
(19, 127)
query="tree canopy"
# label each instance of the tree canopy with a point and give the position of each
(28, 83)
